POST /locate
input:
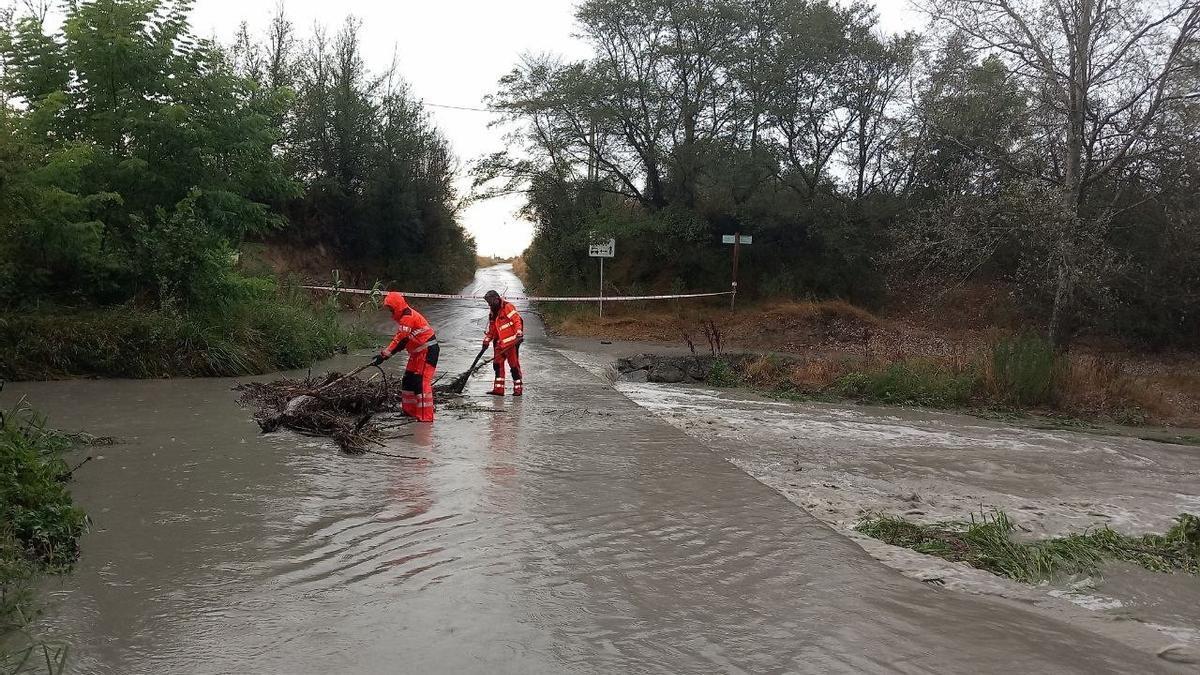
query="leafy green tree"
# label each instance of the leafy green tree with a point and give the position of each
(377, 176)
(696, 119)
(136, 118)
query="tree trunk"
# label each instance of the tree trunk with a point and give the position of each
(1072, 185)
(1062, 299)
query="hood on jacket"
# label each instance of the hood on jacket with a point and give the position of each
(493, 300)
(395, 302)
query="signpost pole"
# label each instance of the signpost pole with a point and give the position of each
(737, 243)
(601, 288)
(602, 251)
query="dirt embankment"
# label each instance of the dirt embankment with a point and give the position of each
(825, 342)
(321, 264)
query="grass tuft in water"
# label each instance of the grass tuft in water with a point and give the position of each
(986, 543)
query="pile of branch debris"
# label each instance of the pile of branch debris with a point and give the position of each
(356, 413)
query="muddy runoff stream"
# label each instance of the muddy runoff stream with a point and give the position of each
(570, 531)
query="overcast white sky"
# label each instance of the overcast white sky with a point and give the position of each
(452, 52)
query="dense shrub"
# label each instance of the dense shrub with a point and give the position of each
(1024, 368)
(126, 192)
(39, 525)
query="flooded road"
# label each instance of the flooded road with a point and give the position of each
(569, 531)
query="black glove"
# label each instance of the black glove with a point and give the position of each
(379, 358)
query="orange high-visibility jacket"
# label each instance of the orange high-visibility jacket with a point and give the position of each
(414, 334)
(505, 327)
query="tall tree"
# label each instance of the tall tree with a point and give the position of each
(813, 68)
(378, 176)
(1102, 70)
(150, 144)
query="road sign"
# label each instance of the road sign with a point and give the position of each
(603, 250)
(743, 239)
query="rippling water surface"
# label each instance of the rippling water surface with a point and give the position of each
(569, 531)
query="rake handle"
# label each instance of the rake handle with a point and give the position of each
(344, 377)
(477, 357)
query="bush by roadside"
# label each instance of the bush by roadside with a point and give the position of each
(521, 268)
(39, 530)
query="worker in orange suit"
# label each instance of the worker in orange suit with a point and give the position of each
(416, 336)
(505, 332)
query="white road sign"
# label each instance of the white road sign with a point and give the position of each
(607, 250)
(729, 239)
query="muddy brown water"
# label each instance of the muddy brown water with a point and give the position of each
(569, 531)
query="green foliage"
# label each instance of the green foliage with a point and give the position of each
(378, 176)
(1024, 368)
(978, 110)
(182, 257)
(138, 158)
(911, 382)
(722, 374)
(848, 156)
(39, 527)
(35, 504)
(691, 121)
(120, 176)
(987, 544)
(256, 329)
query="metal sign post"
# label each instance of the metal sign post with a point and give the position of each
(737, 240)
(602, 251)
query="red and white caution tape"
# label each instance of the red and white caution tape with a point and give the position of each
(532, 298)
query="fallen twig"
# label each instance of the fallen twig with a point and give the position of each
(71, 474)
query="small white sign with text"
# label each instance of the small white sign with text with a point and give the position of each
(605, 250)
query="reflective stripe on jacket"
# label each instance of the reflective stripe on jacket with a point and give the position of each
(505, 326)
(414, 331)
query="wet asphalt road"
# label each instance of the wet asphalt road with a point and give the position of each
(570, 531)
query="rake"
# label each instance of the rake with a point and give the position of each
(459, 383)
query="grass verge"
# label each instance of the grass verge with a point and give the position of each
(986, 543)
(261, 329)
(1018, 377)
(831, 350)
(912, 382)
(39, 532)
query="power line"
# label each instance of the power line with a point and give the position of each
(461, 107)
